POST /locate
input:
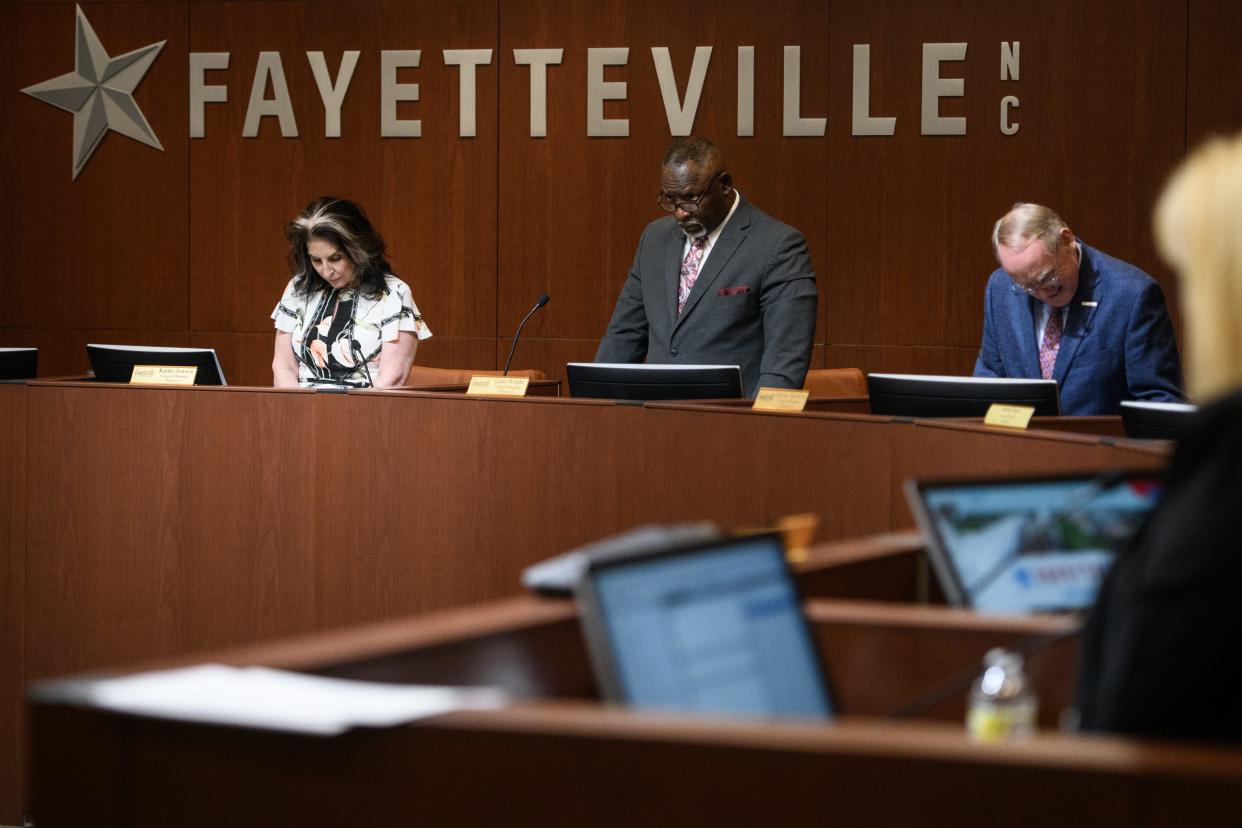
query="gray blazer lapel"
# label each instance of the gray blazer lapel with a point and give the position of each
(730, 239)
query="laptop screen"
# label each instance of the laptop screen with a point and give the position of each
(1029, 545)
(714, 629)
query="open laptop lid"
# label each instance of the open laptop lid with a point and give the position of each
(1021, 545)
(624, 381)
(711, 628)
(116, 363)
(18, 363)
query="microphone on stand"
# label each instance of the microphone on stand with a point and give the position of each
(539, 303)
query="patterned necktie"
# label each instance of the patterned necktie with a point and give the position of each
(1051, 344)
(690, 270)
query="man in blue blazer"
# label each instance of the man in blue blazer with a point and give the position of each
(718, 282)
(1059, 309)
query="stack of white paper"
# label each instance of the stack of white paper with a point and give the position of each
(269, 699)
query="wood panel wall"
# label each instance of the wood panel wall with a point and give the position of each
(186, 247)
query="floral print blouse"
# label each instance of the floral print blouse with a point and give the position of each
(337, 335)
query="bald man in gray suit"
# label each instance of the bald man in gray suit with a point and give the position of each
(718, 282)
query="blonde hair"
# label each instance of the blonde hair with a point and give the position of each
(1199, 233)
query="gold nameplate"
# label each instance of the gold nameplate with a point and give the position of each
(498, 386)
(164, 374)
(1009, 416)
(781, 399)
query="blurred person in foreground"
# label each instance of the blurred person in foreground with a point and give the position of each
(1162, 650)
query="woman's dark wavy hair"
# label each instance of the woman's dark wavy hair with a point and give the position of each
(342, 223)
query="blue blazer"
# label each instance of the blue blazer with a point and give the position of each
(1118, 342)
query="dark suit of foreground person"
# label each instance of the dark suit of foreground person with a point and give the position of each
(1162, 650)
(1115, 338)
(752, 303)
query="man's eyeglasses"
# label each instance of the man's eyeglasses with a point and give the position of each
(1050, 281)
(687, 205)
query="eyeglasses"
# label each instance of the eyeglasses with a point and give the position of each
(1048, 282)
(687, 205)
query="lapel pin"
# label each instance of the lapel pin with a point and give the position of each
(1090, 304)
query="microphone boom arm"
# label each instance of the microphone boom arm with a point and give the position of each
(539, 303)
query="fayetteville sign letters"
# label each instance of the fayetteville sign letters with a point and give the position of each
(99, 92)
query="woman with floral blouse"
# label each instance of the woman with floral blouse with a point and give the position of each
(344, 321)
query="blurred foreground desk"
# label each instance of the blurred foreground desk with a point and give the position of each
(146, 522)
(559, 757)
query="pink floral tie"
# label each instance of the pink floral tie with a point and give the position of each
(1051, 344)
(690, 270)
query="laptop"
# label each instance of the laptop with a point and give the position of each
(711, 628)
(1024, 545)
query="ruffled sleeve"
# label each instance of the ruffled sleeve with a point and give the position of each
(289, 309)
(399, 313)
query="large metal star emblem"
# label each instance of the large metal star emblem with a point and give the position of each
(99, 93)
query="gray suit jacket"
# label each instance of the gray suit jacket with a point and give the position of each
(753, 304)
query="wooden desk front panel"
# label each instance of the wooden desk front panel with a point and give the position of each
(167, 520)
(12, 581)
(440, 501)
(163, 521)
(746, 468)
(892, 567)
(555, 768)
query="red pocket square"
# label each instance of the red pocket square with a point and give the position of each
(734, 291)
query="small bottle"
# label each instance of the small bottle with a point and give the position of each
(1002, 706)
